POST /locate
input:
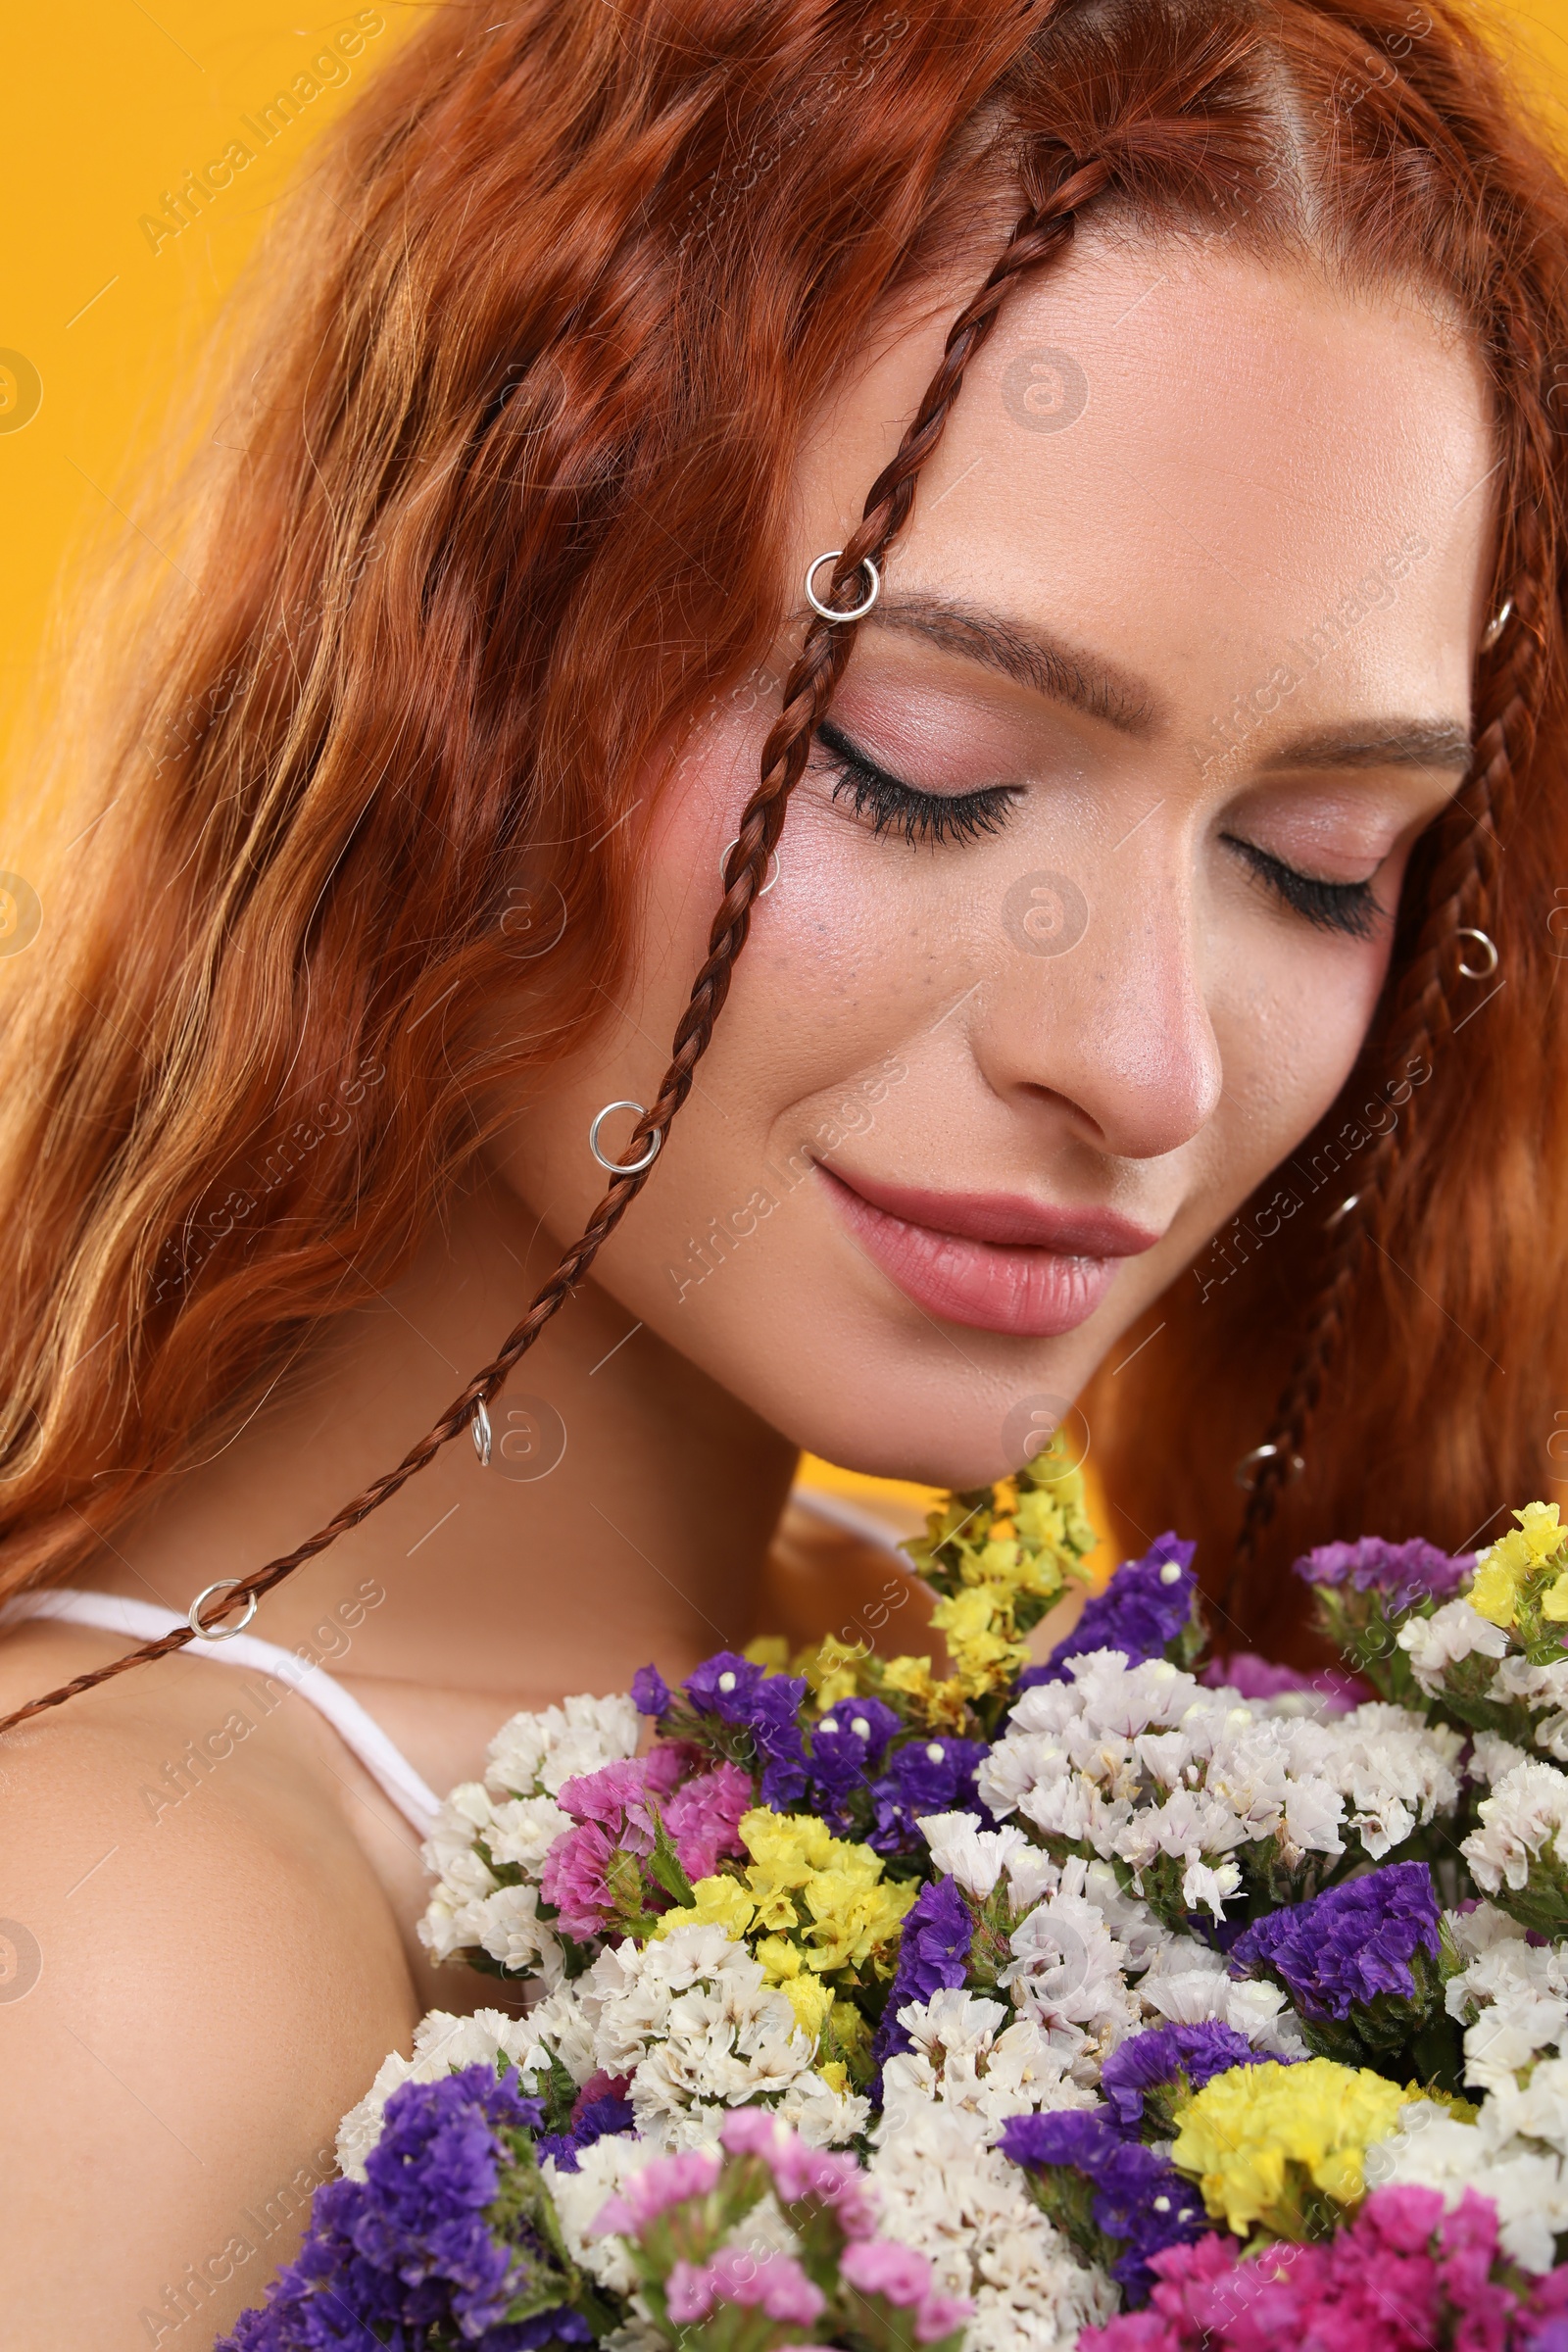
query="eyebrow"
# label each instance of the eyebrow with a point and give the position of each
(1088, 683)
(1049, 665)
(1394, 743)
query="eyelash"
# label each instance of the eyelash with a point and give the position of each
(895, 806)
(1351, 907)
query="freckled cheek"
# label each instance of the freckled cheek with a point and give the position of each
(1287, 1042)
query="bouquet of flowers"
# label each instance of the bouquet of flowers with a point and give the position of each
(1143, 2000)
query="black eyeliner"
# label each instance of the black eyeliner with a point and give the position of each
(1351, 907)
(893, 805)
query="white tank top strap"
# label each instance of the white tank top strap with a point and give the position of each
(145, 1621)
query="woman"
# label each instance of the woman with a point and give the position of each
(1146, 998)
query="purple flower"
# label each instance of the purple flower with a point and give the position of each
(923, 1775)
(933, 1954)
(848, 1745)
(1401, 1574)
(651, 1695)
(1140, 2200)
(1169, 2055)
(1144, 1606)
(767, 1706)
(1259, 1677)
(410, 2254)
(1349, 1944)
(604, 2118)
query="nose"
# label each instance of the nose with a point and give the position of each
(1098, 1005)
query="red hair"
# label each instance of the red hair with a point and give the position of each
(551, 317)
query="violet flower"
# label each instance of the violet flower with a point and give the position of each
(923, 1775)
(651, 1695)
(848, 1745)
(1349, 1944)
(1147, 1603)
(767, 1707)
(1138, 2199)
(592, 2119)
(1401, 1573)
(1177, 2057)
(933, 1956)
(410, 2255)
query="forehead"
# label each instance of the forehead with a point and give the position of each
(1187, 459)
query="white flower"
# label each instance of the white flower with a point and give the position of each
(968, 2211)
(1204, 1888)
(1492, 1759)
(442, 2044)
(1527, 1810)
(579, 2197)
(1524, 2181)
(1451, 1633)
(971, 2053)
(535, 1754)
(1065, 1975)
(962, 1850)
(523, 1828)
(1394, 1769)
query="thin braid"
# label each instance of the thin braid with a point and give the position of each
(1459, 894)
(1041, 233)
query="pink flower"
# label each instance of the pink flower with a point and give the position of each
(668, 2180)
(701, 1817)
(802, 2171)
(617, 1798)
(877, 2266)
(938, 2316)
(773, 2284)
(576, 1875)
(689, 2292)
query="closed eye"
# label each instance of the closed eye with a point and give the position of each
(894, 806)
(1352, 907)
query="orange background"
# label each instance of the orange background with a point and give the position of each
(104, 110)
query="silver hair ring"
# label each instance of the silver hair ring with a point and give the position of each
(479, 1430)
(613, 1167)
(1258, 1455)
(724, 861)
(219, 1633)
(1488, 947)
(828, 612)
(1495, 626)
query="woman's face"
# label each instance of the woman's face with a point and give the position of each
(1085, 902)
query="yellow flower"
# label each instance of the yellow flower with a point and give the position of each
(834, 1674)
(786, 1966)
(1242, 2131)
(1505, 1566)
(912, 1676)
(770, 1650)
(716, 1902)
(852, 1917)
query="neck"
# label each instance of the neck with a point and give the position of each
(625, 1516)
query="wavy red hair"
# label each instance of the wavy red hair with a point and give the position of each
(546, 324)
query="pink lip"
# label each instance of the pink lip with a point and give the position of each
(996, 1261)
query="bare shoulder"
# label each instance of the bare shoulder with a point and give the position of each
(199, 1972)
